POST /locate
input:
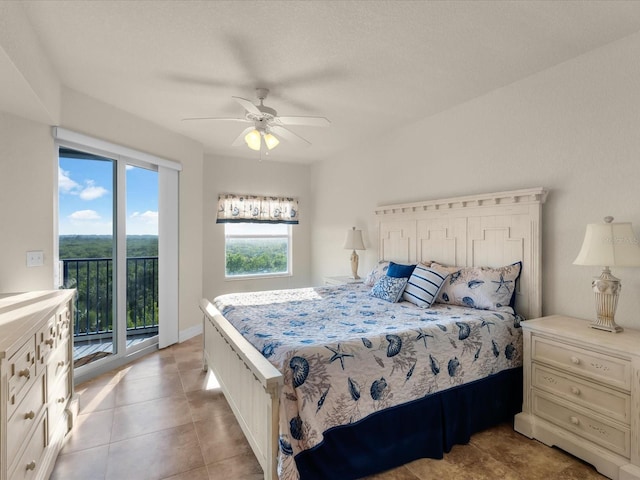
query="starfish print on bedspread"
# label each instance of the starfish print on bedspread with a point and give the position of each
(338, 355)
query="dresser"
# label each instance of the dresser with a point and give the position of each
(37, 402)
(582, 392)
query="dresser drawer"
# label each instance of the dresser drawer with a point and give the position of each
(27, 412)
(27, 467)
(21, 373)
(59, 396)
(64, 323)
(606, 434)
(46, 341)
(610, 403)
(605, 369)
(58, 363)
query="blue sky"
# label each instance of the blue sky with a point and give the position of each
(86, 198)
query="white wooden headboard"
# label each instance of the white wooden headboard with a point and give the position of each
(493, 229)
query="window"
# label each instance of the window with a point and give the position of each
(257, 249)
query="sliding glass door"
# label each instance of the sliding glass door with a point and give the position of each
(108, 251)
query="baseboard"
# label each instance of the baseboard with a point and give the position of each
(191, 332)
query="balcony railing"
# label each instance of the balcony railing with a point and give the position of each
(94, 313)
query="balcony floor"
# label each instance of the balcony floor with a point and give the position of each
(85, 351)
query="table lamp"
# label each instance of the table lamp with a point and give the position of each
(608, 245)
(354, 242)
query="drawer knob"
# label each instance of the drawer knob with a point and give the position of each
(25, 373)
(61, 400)
(61, 363)
(49, 342)
(575, 390)
(575, 420)
(31, 466)
(575, 360)
(30, 415)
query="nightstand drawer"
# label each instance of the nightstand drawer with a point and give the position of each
(608, 402)
(608, 435)
(605, 369)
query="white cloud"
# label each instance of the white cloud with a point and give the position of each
(149, 216)
(84, 215)
(145, 223)
(65, 184)
(91, 192)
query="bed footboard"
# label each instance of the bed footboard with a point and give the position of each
(249, 382)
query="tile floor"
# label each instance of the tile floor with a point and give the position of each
(156, 419)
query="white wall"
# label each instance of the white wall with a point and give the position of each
(574, 129)
(250, 176)
(27, 169)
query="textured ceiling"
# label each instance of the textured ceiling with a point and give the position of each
(368, 66)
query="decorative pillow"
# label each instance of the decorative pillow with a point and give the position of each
(480, 287)
(378, 271)
(398, 270)
(423, 286)
(389, 288)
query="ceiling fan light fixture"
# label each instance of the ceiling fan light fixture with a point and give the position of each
(271, 141)
(253, 139)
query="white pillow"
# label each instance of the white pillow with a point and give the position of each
(480, 287)
(378, 271)
(423, 286)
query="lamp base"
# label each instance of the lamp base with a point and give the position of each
(612, 327)
(606, 288)
(354, 266)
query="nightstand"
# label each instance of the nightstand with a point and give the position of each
(581, 392)
(342, 280)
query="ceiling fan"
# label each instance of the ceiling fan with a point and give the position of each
(267, 126)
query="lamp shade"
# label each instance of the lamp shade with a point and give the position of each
(253, 140)
(354, 240)
(271, 141)
(609, 244)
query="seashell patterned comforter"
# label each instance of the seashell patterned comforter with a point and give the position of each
(345, 355)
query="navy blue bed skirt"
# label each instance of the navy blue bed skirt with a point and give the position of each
(425, 428)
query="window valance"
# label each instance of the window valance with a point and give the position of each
(256, 209)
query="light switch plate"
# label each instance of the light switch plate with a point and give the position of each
(35, 258)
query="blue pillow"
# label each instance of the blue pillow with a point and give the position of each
(423, 286)
(389, 288)
(398, 270)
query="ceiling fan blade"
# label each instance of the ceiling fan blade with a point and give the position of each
(247, 105)
(240, 140)
(308, 121)
(243, 120)
(289, 136)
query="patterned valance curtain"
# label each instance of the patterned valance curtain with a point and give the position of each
(233, 208)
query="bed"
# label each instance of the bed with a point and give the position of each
(330, 382)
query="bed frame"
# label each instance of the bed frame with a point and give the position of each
(493, 229)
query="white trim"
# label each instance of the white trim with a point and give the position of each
(108, 149)
(190, 333)
(120, 257)
(168, 262)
